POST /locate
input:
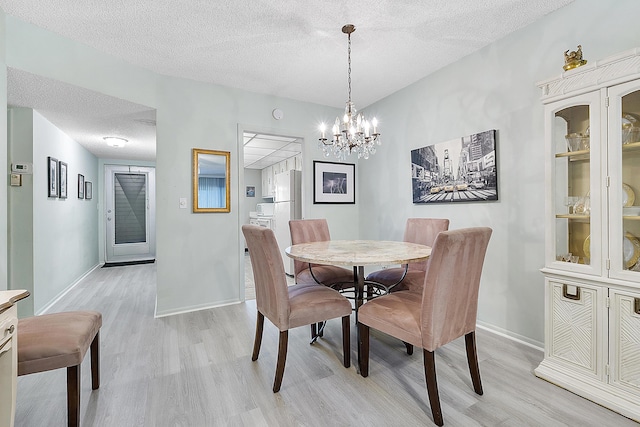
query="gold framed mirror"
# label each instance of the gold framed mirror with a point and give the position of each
(211, 186)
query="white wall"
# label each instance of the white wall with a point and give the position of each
(65, 231)
(252, 177)
(53, 241)
(4, 284)
(20, 208)
(494, 88)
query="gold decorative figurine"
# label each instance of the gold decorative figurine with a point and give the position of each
(573, 59)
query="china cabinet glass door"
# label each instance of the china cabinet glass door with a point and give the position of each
(624, 187)
(575, 205)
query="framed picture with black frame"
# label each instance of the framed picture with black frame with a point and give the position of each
(88, 190)
(80, 186)
(62, 179)
(461, 170)
(52, 177)
(334, 183)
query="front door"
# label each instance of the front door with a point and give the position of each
(129, 213)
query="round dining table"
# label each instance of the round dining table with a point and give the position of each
(358, 254)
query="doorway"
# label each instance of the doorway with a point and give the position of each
(264, 153)
(130, 234)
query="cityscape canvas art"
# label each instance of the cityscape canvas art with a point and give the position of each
(460, 170)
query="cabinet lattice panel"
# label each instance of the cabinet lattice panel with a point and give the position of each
(573, 333)
(629, 346)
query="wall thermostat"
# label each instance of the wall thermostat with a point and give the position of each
(21, 168)
(277, 114)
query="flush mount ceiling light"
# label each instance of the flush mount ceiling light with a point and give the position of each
(114, 141)
(354, 133)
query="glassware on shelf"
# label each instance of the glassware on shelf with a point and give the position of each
(583, 205)
(570, 202)
(577, 141)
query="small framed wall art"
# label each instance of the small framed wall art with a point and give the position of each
(62, 169)
(80, 186)
(52, 176)
(88, 190)
(251, 191)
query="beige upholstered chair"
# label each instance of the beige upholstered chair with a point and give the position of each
(61, 340)
(445, 310)
(418, 230)
(317, 230)
(285, 306)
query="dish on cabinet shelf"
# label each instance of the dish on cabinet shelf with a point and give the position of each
(630, 250)
(628, 196)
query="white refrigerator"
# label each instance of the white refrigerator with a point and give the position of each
(288, 205)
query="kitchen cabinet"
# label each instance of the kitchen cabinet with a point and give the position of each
(269, 173)
(592, 232)
(268, 187)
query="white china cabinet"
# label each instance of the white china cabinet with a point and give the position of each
(592, 261)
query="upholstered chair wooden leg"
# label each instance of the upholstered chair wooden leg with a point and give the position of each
(258, 340)
(314, 332)
(363, 349)
(320, 325)
(282, 358)
(432, 386)
(472, 358)
(409, 348)
(346, 341)
(95, 362)
(73, 396)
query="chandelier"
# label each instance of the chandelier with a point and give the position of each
(353, 133)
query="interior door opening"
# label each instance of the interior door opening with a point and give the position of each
(265, 155)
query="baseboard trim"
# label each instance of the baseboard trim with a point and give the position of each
(511, 335)
(191, 309)
(125, 263)
(51, 303)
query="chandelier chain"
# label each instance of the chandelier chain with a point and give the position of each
(349, 72)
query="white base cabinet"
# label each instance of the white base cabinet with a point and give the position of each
(9, 354)
(592, 232)
(592, 343)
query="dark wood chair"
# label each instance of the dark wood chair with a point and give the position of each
(288, 307)
(445, 310)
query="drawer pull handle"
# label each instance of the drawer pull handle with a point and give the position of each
(11, 329)
(573, 296)
(636, 305)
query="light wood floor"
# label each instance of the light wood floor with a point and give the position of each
(195, 369)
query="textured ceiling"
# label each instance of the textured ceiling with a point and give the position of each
(87, 116)
(288, 48)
